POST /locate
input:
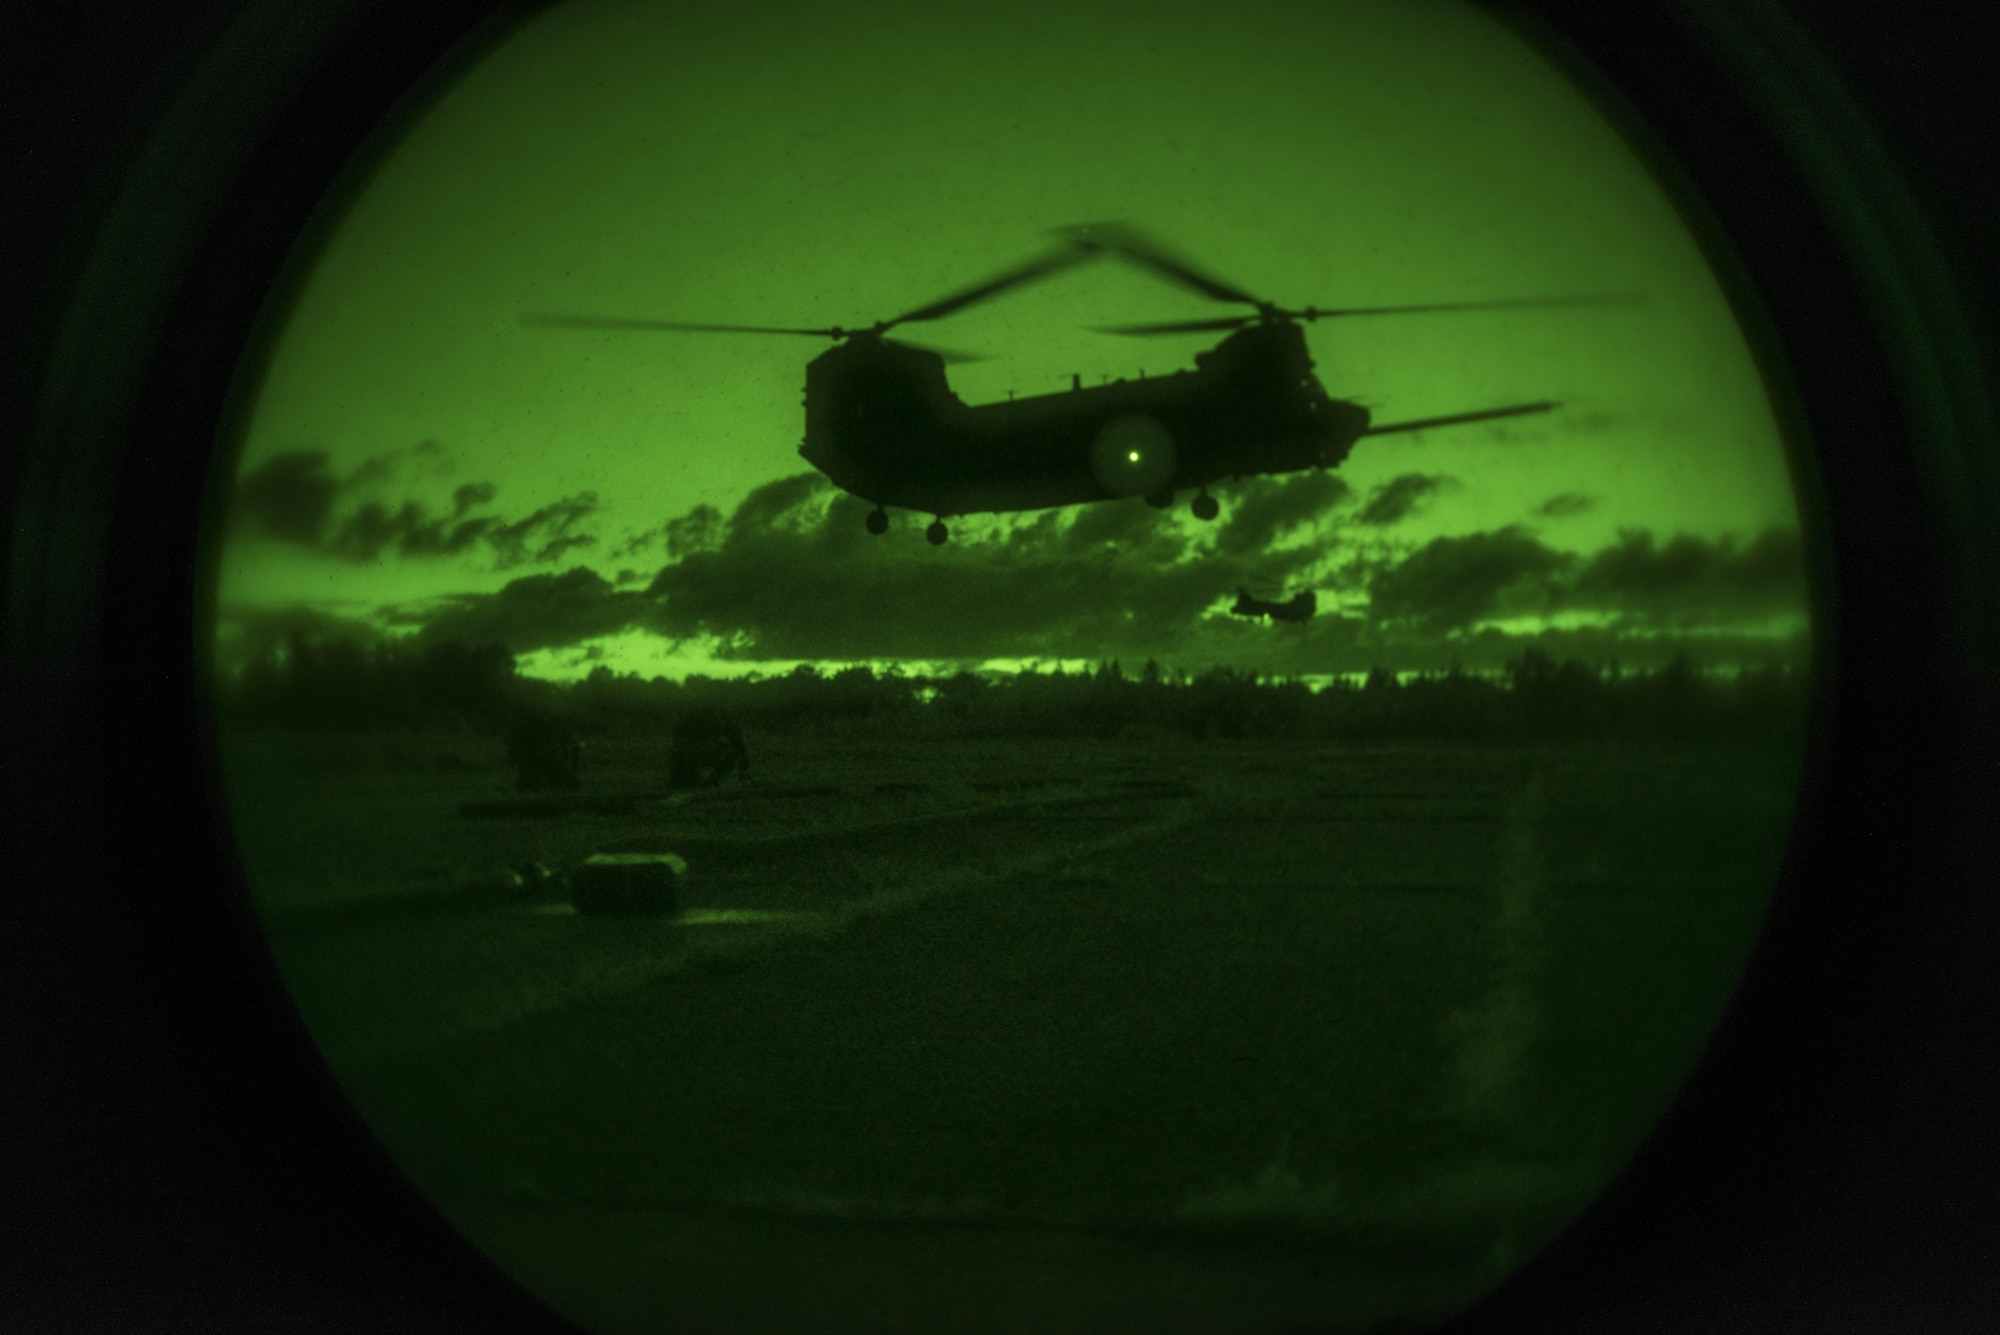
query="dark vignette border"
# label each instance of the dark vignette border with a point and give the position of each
(1827, 1165)
(173, 1146)
(182, 1157)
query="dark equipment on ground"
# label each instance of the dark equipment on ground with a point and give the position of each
(883, 424)
(545, 752)
(707, 747)
(1300, 607)
(630, 883)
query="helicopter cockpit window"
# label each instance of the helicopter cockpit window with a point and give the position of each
(1008, 853)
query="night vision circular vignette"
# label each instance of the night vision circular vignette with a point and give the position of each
(868, 672)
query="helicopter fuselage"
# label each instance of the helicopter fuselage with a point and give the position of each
(883, 423)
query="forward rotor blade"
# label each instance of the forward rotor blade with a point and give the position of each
(614, 322)
(1516, 304)
(1177, 326)
(1457, 418)
(993, 287)
(1129, 241)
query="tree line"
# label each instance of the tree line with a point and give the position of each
(460, 687)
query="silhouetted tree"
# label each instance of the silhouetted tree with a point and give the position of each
(340, 684)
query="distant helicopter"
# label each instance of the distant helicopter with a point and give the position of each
(883, 423)
(1299, 607)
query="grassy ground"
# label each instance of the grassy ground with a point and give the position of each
(1331, 1033)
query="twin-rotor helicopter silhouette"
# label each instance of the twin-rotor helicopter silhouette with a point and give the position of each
(883, 423)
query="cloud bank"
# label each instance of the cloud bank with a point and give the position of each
(793, 574)
(533, 612)
(296, 499)
(1399, 498)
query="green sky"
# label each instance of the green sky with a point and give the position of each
(817, 164)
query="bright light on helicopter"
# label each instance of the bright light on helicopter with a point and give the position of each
(1133, 455)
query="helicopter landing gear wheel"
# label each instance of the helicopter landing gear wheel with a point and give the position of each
(1162, 499)
(1206, 506)
(937, 533)
(878, 521)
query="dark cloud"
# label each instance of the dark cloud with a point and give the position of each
(384, 467)
(638, 543)
(373, 528)
(288, 497)
(295, 498)
(1694, 578)
(1395, 500)
(1563, 506)
(1265, 512)
(794, 573)
(1361, 559)
(1125, 533)
(544, 535)
(1454, 582)
(553, 549)
(535, 612)
(470, 495)
(699, 530)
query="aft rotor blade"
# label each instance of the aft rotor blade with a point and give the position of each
(615, 322)
(1177, 326)
(993, 287)
(1129, 241)
(1457, 418)
(1515, 304)
(952, 356)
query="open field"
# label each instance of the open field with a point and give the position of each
(1327, 1033)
